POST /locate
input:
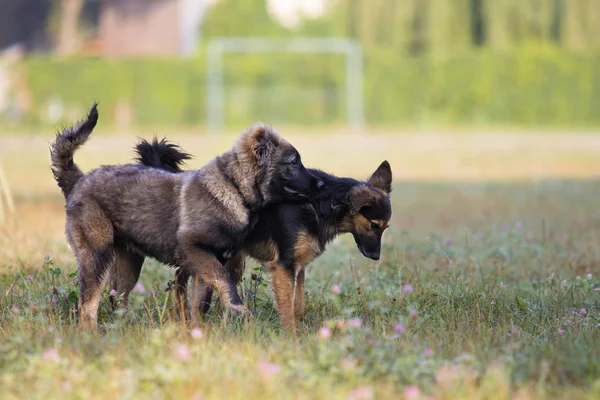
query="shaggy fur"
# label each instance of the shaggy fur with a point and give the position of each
(288, 237)
(193, 220)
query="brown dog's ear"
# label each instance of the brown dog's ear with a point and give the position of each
(264, 140)
(382, 177)
(359, 197)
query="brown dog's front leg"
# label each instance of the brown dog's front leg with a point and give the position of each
(299, 303)
(284, 286)
(181, 304)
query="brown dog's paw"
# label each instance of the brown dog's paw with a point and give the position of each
(240, 310)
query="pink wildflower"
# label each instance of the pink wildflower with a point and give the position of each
(51, 355)
(267, 369)
(355, 323)
(336, 289)
(324, 333)
(139, 288)
(361, 393)
(399, 328)
(182, 352)
(197, 333)
(412, 392)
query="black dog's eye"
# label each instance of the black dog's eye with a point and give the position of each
(294, 162)
(374, 225)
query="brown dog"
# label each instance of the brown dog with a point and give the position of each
(195, 220)
(288, 236)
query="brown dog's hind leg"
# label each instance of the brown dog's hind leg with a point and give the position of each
(235, 266)
(203, 296)
(90, 235)
(284, 286)
(205, 267)
(124, 274)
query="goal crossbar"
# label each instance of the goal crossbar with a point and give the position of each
(218, 46)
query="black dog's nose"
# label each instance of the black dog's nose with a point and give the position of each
(320, 185)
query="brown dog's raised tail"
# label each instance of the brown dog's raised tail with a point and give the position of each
(162, 155)
(66, 143)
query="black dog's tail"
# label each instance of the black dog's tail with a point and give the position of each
(162, 155)
(66, 143)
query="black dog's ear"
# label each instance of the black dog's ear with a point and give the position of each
(359, 197)
(382, 177)
(264, 141)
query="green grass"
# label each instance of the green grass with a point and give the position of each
(502, 280)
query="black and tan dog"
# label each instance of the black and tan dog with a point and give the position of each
(289, 236)
(195, 220)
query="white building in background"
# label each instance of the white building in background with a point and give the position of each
(290, 12)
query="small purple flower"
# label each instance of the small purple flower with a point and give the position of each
(399, 328)
(48, 258)
(355, 323)
(53, 301)
(428, 352)
(336, 289)
(504, 227)
(66, 297)
(448, 241)
(513, 331)
(112, 292)
(15, 309)
(29, 277)
(597, 289)
(561, 331)
(583, 311)
(569, 322)
(412, 312)
(139, 288)
(153, 293)
(408, 288)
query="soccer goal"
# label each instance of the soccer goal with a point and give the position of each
(217, 47)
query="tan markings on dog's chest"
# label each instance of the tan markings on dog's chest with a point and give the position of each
(307, 248)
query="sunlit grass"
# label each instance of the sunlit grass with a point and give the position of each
(483, 291)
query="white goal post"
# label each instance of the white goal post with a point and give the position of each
(218, 46)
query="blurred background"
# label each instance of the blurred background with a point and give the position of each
(445, 90)
(423, 62)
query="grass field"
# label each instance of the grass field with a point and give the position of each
(488, 286)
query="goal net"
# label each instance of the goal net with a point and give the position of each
(227, 98)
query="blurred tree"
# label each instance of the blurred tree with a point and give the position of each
(241, 18)
(68, 35)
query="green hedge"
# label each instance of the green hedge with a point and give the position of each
(530, 86)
